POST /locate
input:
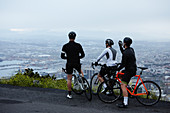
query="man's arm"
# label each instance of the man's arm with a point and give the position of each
(123, 62)
(101, 55)
(82, 54)
(120, 46)
(121, 49)
(63, 54)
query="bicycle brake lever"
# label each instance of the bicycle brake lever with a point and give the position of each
(92, 65)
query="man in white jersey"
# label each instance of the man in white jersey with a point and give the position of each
(110, 54)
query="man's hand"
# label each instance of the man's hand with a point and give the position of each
(63, 56)
(120, 43)
(96, 63)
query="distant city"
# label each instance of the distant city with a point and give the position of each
(43, 55)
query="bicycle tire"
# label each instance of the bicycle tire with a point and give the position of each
(153, 96)
(94, 83)
(114, 89)
(75, 87)
(87, 89)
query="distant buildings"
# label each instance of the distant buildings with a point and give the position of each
(166, 82)
(88, 73)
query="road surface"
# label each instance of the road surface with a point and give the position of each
(15, 99)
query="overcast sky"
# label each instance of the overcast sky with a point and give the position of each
(139, 19)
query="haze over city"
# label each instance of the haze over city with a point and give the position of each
(95, 19)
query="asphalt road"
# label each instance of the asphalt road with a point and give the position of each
(14, 99)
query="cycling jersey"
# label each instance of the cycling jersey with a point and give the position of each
(73, 52)
(110, 55)
(128, 59)
(129, 62)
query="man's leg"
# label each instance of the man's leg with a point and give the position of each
(69, 77)
(69, 69)
(82, 73)
(125, 94)
(104, 84)
(100, 78)
(78, 68)
(101, 73)
(125, 80)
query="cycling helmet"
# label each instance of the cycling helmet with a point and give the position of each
(109, 42)
(128, 41)
(72, 35)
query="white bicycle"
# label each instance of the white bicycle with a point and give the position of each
(80, 84)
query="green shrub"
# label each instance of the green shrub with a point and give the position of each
(21, 80)
(27, 81)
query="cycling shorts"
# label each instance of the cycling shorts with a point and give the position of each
(127, 76)
(71, 66)
(111, 70)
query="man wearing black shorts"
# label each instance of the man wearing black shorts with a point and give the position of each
(110, 54)
(72, 52)
(129, 63)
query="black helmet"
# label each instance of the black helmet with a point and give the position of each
(109, 42)
(128, 41)
(72, 35)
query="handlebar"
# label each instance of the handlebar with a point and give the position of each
(93, 64)
(63, 70)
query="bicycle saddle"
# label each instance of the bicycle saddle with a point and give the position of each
(143, 68)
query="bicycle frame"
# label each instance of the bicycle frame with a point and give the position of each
(133, 93)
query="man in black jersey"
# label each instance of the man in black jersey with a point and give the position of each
(129, 63)
(72, 52)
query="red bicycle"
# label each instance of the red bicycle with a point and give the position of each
(146, 92)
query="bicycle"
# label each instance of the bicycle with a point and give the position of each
(94, 82)
(146, 92)
(80, 85)
(109, 79)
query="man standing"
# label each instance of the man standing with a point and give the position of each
(72, 52)
(129, 63)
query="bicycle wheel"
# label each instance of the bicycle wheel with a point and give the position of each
(94, 83)
(111, 93)
(153, 96)
(87, 89)
(75, 86)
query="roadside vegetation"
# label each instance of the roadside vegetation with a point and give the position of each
(31, 79)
